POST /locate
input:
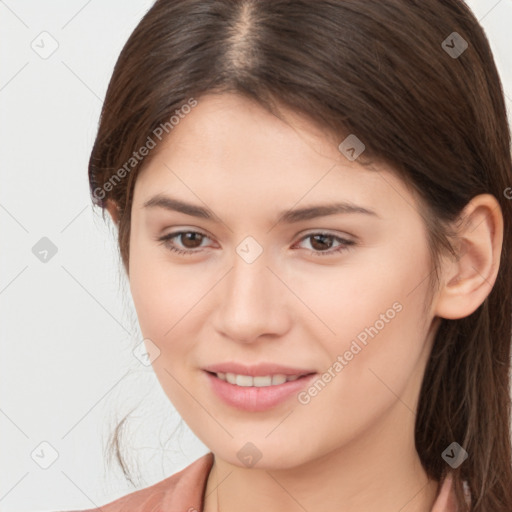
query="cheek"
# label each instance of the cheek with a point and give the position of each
(382, 336)
(164, 294)
(166, 304)
(345, 299)
(378, 349)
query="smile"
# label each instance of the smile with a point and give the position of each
(260, 381)
(256, 393)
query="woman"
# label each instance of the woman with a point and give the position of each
(313, 208)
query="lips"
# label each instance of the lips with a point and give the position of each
(256, 388)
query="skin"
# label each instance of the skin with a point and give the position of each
(351, 448)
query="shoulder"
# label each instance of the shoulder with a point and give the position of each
(183, 491)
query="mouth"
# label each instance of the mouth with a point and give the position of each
(260, 381)
(256, 393)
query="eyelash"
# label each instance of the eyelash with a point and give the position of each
(345, 244)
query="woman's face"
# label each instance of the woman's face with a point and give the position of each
(275, 275)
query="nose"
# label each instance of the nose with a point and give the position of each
(252, 302)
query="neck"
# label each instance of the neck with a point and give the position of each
(379, 471)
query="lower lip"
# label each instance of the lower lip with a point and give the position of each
(255, 399)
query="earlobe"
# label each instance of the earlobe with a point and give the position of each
(468, 279)
(113, 210)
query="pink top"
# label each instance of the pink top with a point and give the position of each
(184, 492)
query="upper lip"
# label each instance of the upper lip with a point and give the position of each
(257, 370)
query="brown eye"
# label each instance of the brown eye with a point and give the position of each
(325, 244)
(321, 242)
(191, 239)
(187, 241)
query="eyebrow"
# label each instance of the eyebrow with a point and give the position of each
(287, 216)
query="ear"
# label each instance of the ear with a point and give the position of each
(468, 279)
(113, 209)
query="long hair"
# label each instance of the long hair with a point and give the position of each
(416, 81)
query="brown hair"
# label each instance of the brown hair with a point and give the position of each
(382, 71)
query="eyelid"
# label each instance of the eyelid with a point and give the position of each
(319, 231)
(345, 242)
(166, 238)
(328, 232)
(183, 230)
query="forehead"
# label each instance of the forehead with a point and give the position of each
(232, 148)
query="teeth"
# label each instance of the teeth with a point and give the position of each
(260, 381)
(278, 379)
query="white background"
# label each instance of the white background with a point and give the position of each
(67, 326)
